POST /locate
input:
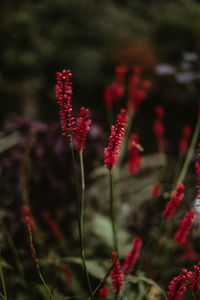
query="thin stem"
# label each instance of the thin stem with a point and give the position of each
(2, 296)
(46, 286)
(105, 277)
(112, 212)
(2, 280)
(81, 221)
(76, 180)
(189, 153)
(34, 256)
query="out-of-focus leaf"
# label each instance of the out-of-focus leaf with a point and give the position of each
(9, 141)
(95, 268)
(103, 229)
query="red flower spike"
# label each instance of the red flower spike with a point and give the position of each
(116, 275)
(111, 153)
(63, 96)
(132, 255)
(178, 285)
(176, 197)
(156, 191)
(68, 276)
(159, 127)
(137, 90)
(186, 223)
(27, 213)
(103, 292)
(134, 158)
(83, 125)
(183, 144)
(53, 226)
(195, 279)
(116, 90)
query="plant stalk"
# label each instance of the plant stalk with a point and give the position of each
(82, 221)
(2, 280)
(112, 212)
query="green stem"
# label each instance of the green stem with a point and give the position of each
(2, 296)
(2, 280)
(105, 277)
(81, 221)
(76, 180)
(112, 212)
(46, 286)
(189, 153)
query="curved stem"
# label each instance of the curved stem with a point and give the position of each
(112, 212)
(189, 153)
(81, 221)
(105, 277)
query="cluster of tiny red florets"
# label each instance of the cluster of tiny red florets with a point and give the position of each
(83, 125)
(134, 158)
(103, 292)
(116, 275)
(195, 279)
(186, 223)
(137, 91)
(159, 127)
(115, 91)
(111, 153)
(183, 144)
(132, 255)
(197, 166)
(63, 96)
(178, 285)
(156, 191)
(176, 197)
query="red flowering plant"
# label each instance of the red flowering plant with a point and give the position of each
(130, 212)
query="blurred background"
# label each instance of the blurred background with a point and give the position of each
(91, 38)
(39, 38)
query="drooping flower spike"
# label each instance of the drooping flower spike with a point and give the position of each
(186, 223)
(83, 125)
(178, 285)
(63, 96)
(159, 127)
(111, 153)
(176, 196)
(132, 255)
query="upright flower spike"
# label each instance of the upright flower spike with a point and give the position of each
(186, 223)
(63, 96)
(134, 158)
(116, 276)
(195, 279)
(178, 285)
(111, 153)
(26, 212)
(115, 91)
(176, 196)
(183, 144)
(137, 91)
(83, 125)
(132, 255)
(159, 127)
(103, 292)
